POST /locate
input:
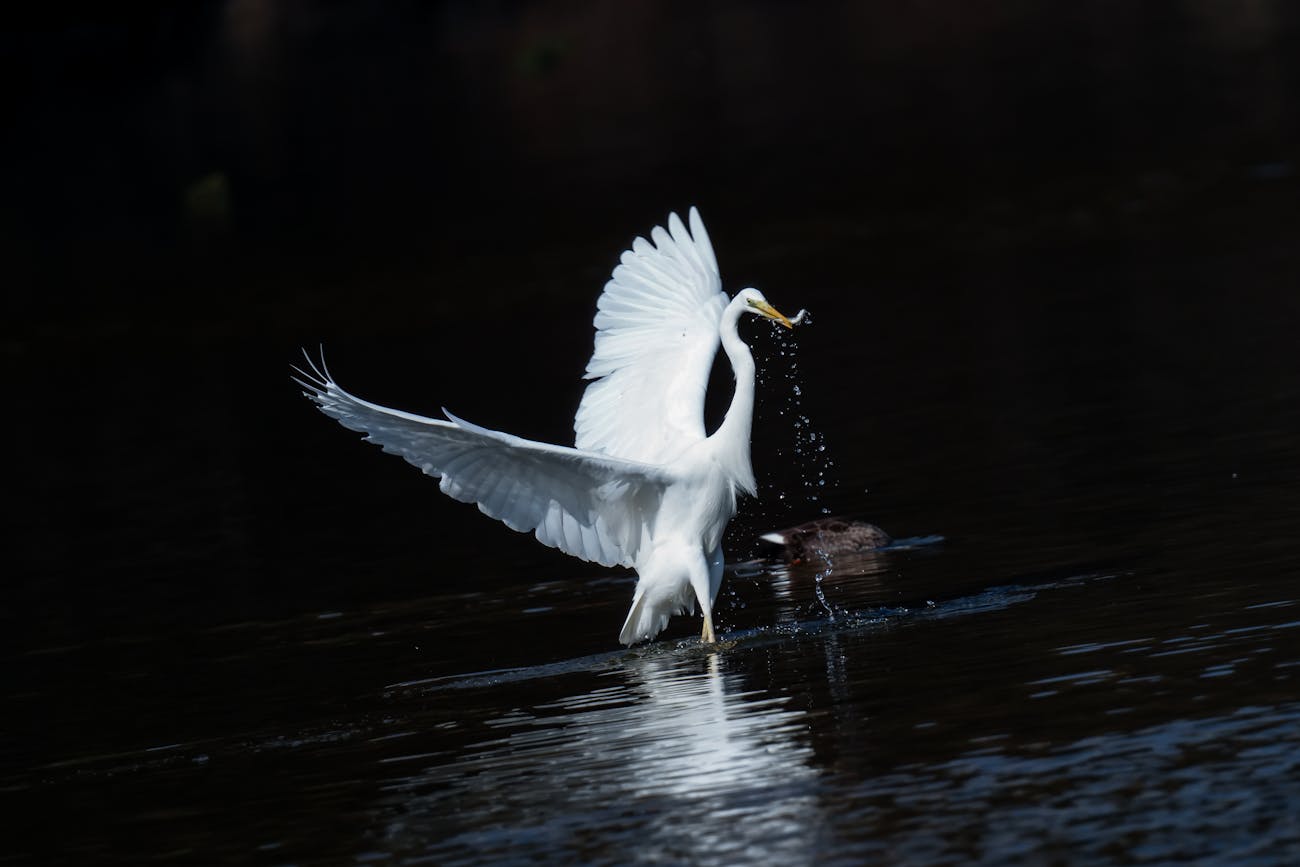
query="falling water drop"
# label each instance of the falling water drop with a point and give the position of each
(818, 579)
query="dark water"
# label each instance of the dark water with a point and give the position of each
(253, 638)
(1054, 292)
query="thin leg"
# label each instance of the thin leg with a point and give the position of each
(716, 563)
(702, 584)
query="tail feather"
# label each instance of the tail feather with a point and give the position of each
(649, 615)
(643, 621)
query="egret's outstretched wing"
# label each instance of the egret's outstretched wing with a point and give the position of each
(656, 335)
(590, 505)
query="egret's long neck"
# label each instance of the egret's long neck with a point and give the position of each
(732, 436)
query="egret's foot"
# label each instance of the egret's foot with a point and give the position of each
(707, 636)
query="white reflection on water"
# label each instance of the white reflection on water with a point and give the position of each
(673, 762)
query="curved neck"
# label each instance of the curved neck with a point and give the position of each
(732, 436)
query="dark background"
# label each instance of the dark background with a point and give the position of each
(970, 197)
(1050, 252)
(195, 169)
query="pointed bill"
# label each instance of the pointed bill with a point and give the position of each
(771, 313)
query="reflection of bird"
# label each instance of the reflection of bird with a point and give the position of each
(828, 537)
(644, 486)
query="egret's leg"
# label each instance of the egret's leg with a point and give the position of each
(716, 563)
(701, 583)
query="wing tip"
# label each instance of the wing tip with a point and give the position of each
(319, 378)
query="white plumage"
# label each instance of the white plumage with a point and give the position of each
(644, 486)
(656, 335)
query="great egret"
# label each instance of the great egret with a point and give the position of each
(643, 486)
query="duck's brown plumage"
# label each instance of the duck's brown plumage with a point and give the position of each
(828, 536)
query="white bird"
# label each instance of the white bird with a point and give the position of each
(643, 486)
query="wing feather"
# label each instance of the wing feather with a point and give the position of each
(702, 243)
(590, 505)
(656, 336)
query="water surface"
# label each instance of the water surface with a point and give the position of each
(274, 643)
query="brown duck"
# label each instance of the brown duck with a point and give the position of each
(828, 537)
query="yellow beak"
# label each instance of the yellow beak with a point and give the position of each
(771, 313)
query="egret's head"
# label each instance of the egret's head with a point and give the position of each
(757, 304)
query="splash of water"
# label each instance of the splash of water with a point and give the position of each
(809, 445)
(818, 585)
(809, 450)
